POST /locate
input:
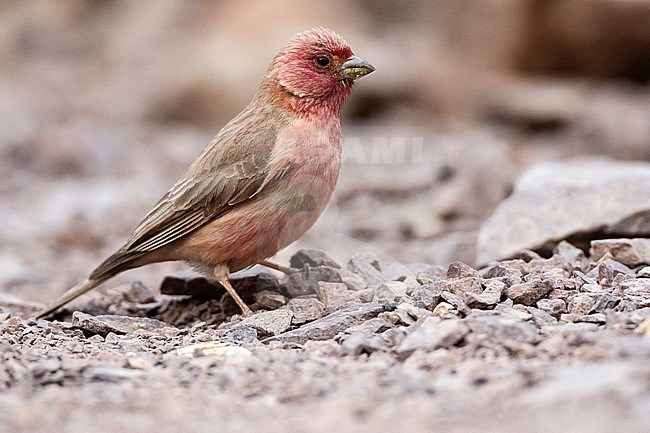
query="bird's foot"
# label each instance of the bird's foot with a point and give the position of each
(284, 269)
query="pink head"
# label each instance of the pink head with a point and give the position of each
(316, 68)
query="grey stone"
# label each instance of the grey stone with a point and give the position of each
(432, 333)
(536, 285)
(269, 300)
(577, 327)
(372, 326)
(554, 307)
(637, 291)
(582, 279)
(608, 269)
(644, 272)
(457, 301)
(560, 294)
(409, 314)
(426, 296)
(393, 291)
(306, 281)
(598, 318)
(527, 293)
(313, 258)
(591, 288)
(394, 336)
(571, 257)
(581, 303)
(503, 331)
(461, 270)
(555, 200)
(604, 302)
(504, 272)
(396, 271)
(138, 293)
(630, 252)
(541, 317)
(241, 334)
(269, 322)
(357, 343)
(105, 324)
(138, 363)
(111, 374)
(427, 278)
(462, 285)
(364, 295)
(332, 294)
(636, 287)
(411, 283)
(305, 310)
(444, 309)
(516, 312)
(328, 326)
(640, 315)
(490, 296)
(352, 280)
(367, 267)
(626, 306)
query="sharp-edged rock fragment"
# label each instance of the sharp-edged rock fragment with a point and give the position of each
(393, 291)
(581, 303)
(305, 310)
(332, 295)
(306, 281)
(503, 331)
(313, 258)
(328, 326)
(432, 333)
(556, 200)
(269, 300)
(554, 307)
(269, 323)
(535, 287)
(139, 293)
(105, 324)
(630, 252)
(571, 257)
(490, 296)
(461, 270)
(367, 267)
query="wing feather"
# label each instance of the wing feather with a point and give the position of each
(231, 169)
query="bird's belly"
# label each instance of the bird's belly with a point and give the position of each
(260, 227)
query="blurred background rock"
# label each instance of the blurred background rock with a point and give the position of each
(104, 104)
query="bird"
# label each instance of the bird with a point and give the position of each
(261, 182)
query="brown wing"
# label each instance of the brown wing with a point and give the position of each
(230, 170)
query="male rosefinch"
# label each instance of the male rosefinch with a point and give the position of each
(262, 181)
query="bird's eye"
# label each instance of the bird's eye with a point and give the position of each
(322, 61)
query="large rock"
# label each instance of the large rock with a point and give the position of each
(580, 199)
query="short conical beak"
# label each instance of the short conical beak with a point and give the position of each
(355, 67)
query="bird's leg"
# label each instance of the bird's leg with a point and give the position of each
(221, 273)
(283, 269)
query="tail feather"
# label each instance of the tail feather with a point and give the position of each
(71, 294)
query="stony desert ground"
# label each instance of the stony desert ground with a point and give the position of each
(483, 266)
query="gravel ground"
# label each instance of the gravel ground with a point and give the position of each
(530, 344)
(104, 105)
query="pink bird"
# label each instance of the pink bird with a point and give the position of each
(264, 179)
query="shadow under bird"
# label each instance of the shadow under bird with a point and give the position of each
(261, 182)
